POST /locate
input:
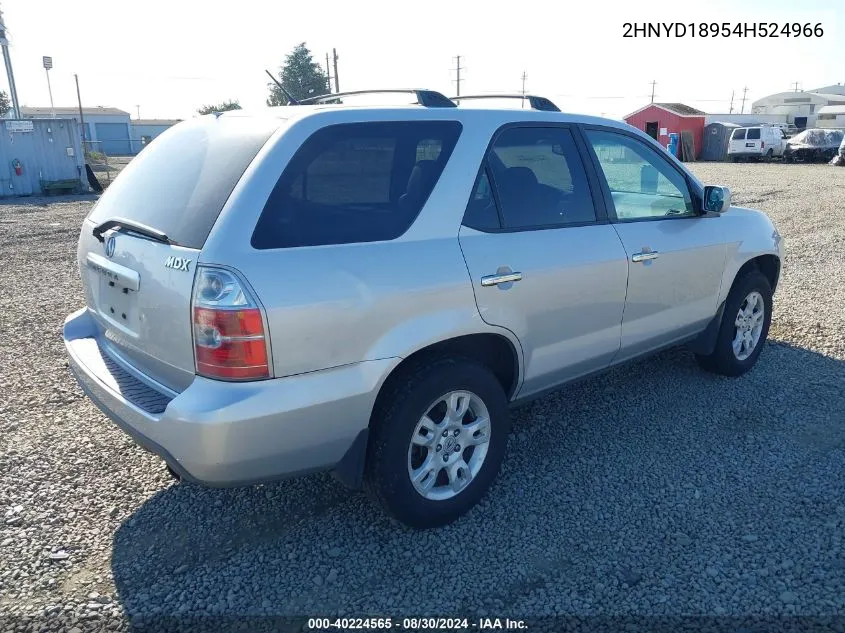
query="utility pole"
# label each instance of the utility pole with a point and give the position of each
(48, 64)
(795, 83)
(524, 77)
(138, 112)
(336, 80)
(13, 92)
(744, 90)
(731, 111)
(653, 84)
(328, 73)
(458, 68)
(81, 118)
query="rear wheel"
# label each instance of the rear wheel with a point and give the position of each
(769, 155)
(437, 440)
(744, 328)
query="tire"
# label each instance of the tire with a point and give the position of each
(769, 156)
(724, 359)
(391, 457)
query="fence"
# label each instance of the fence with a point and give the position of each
(105, 167)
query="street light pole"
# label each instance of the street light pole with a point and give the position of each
(48, 64)
(13, 92)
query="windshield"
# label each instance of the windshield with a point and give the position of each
(180, 182)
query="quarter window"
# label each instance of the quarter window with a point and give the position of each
(357, 182)
(642, 183)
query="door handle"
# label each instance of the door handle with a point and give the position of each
(495, 280)
(644, 257)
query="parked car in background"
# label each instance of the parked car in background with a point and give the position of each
(762, 142)
(368, 289)
(817, 145)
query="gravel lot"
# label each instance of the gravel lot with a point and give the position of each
(656, 490)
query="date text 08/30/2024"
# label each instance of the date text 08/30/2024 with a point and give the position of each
(722, 29)
(416, 624)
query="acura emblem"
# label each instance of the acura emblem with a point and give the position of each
(110, 246)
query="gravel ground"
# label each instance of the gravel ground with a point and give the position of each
(651, 491)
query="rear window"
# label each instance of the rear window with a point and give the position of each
(180, 182)
(356, 182)
(753, 134)
(739, 134)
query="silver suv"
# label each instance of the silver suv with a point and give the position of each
(368, 289)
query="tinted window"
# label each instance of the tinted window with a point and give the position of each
(359, 182)
(481, 211)
(739, 134)
(539, 178)
(753, 133)
(642, 183)
(182, 179)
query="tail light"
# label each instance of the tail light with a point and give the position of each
(762, 144)
(229, 338)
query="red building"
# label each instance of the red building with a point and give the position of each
(658, 120)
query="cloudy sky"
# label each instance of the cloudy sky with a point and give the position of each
(169, 57)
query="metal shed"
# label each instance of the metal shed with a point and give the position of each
(659, 120)
(715, 140)
(40, 155)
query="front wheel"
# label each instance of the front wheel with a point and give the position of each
(437, 441)
(744, 328)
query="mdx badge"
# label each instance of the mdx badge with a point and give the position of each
(179, 263)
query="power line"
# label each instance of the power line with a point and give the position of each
(458, 68)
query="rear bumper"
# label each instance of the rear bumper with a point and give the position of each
(228, 434)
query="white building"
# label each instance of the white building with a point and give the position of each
(106, 129)
(838, 89)
(832, 116)
(800, 108)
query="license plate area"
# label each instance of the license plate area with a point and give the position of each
(116, 292)
(118, 304)
(750, 144)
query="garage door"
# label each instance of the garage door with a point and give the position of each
(114, 138)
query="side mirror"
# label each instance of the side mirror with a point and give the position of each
(717, 199)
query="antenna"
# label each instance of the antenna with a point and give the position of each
(282, 88)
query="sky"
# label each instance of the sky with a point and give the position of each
(166, 58)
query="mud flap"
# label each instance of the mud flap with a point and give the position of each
(705, 342)
(350, 469)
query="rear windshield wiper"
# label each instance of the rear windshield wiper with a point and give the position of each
(135, 227)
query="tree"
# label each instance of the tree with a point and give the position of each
(5, 104)
(220, 107)
(301, 76)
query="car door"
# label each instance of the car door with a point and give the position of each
(676, 254)
(737, 142)
(544, 261)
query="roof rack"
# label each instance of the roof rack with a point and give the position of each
(536, 103)
(427, 98)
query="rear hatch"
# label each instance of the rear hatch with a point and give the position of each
(139, 246)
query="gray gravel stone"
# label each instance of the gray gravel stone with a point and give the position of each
(609, 468)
